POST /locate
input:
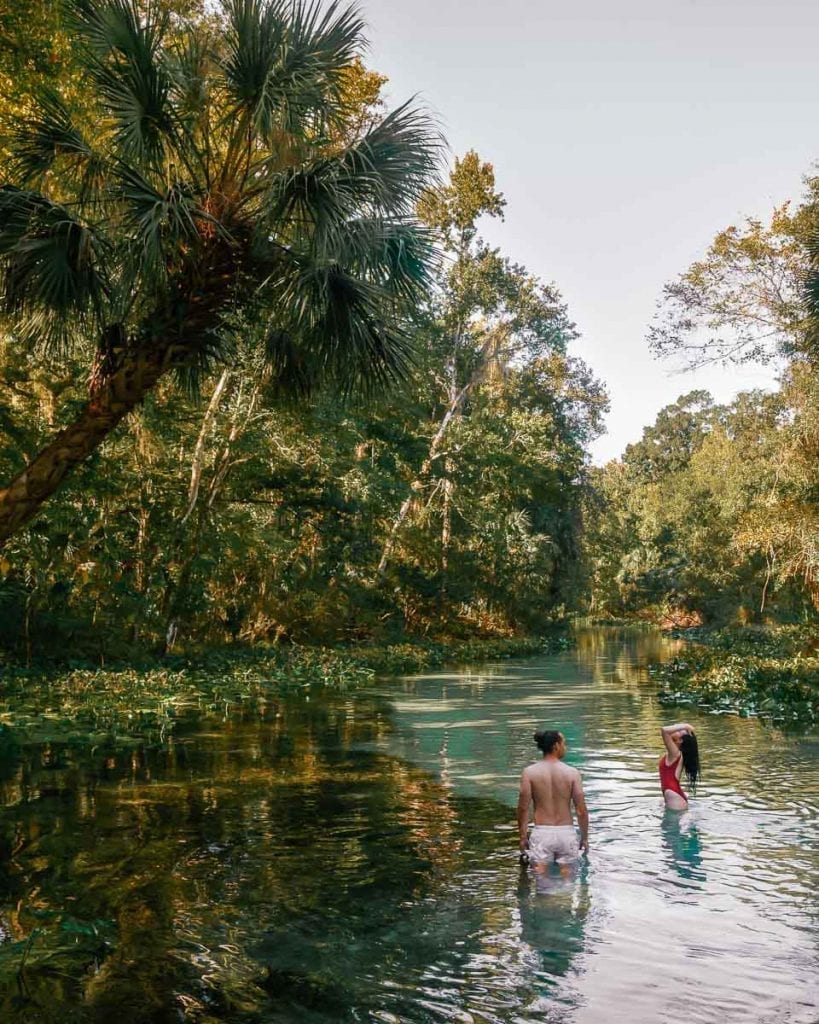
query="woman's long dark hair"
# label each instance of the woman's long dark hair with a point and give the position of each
(690, 758)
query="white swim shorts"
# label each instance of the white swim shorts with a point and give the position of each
(553, 843)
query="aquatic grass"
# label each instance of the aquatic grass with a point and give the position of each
(139, 702)
(769, 672)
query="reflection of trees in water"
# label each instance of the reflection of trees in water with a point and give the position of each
(622, 653)
(141, 884)
(264, 871)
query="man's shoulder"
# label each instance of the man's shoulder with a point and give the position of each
(550, 768)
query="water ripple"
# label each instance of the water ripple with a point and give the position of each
(714, 910)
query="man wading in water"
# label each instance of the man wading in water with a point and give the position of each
(553, 787)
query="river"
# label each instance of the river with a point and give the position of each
(353, 858)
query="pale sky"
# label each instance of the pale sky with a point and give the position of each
(624, 134)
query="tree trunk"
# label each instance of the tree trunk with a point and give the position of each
(119, 393)
(446, 523)
(454, 410)
(176, 594)
(199, 451)
(196, 295)
(457, 401)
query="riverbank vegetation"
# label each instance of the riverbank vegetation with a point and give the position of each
(711, 520)
(375, 427)
(264, 384)
(59, 703)
(772, 672)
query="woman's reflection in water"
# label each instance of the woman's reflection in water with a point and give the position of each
(554, 904)
(683, 844)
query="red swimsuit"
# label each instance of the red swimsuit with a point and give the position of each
(668, 777)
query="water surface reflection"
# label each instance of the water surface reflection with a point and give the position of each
(714, 909)
(353, 858)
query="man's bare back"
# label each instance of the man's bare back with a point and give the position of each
(553, 787)
(552, 784)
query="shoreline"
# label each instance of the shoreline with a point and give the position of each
(146, 701)
(765, 671)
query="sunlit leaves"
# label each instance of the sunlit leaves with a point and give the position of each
(714, 511)
(743, 301)
(285, 61)
(217, 154)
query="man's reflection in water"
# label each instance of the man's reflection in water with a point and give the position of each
(554, 903)
(683, 844)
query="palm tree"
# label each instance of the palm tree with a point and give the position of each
(219, 177)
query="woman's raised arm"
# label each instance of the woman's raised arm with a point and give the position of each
(667, 733)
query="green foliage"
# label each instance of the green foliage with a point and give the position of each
(743, 301)
(508, 413)
(236, 516)
(712, 518)
(669, 444)
(772, 673)
(714, 514)
(232, 195)
(128, 704)
(217, 168)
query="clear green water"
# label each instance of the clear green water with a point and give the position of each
(353, 858)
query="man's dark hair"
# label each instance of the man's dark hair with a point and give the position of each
(548, 739)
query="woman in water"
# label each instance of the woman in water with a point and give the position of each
(681, 755)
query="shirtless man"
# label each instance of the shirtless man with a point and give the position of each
(553, 787)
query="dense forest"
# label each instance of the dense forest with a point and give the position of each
(282, 433)
(713, 516)
(279, 484)
(263, 380)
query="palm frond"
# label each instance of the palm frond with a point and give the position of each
(157, 221)
(50, 266)
(396, 162)
(810, 297)
(399, 256)
(335, 328)
(188, 67)
(124, 58)
(321, 44)
(285, 61)
(381, 176)
(39, 139)
(214, 348)
(256, 31)
(294, 375)
(310, 204)
(49, 258)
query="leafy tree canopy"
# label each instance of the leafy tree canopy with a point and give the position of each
(228, 164)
